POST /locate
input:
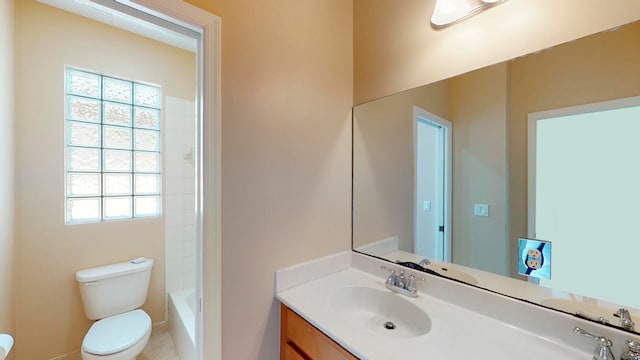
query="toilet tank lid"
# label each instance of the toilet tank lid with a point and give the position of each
(113, 270)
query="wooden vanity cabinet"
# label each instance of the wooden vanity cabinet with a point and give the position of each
(299, 340)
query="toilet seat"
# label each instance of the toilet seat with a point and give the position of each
(117, 333)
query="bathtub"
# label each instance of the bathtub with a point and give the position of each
(182, 322)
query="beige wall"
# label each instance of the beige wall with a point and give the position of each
(598, 68)
(395, 48)
(50, 318)
(383, 158)
(479, 103)
(286, 104)
(7, 239)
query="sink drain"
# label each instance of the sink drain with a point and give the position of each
(389, 325)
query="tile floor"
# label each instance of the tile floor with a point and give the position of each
(160, 347)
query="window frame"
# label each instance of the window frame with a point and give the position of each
(142, 124)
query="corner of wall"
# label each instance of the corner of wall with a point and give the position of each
(7, 236)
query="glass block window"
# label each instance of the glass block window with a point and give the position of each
(112, 148)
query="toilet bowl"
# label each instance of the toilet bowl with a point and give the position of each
(112, 294)
(119, 337)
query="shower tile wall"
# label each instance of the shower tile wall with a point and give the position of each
(179, 210)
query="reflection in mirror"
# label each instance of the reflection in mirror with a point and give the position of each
(572, 189)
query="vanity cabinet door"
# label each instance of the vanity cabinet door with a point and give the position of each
(291, 354)
(301, 339)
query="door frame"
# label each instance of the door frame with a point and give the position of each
(208, 167)
(420, 114)
(206, 27)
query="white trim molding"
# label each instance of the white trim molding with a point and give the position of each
(208, 160)
(447, 127)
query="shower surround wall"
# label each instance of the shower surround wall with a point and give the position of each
(179, 210)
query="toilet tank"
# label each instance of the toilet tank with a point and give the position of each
(114, 289)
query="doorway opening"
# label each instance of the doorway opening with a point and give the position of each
(432, 186)
(583, 195)
(190, 148)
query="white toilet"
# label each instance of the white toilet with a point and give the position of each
(112, 295)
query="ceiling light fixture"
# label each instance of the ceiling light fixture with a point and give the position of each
(449, 12)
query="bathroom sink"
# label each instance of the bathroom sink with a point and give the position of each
(380, 311)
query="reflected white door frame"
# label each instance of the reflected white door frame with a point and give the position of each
(432, 187)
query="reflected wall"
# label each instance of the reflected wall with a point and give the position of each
(383, 164)
(476, 105)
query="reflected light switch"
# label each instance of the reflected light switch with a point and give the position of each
(481, 209)
(426, 205)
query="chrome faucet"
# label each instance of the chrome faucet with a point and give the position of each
(398, 283)
(425, 262)
(603, 349)
(625, 319)
(633, 351)
(600, 319)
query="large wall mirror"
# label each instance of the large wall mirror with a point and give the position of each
(454, 176)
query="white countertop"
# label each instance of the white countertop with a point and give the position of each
(456, 333)
(467, 322)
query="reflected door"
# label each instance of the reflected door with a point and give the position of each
(430, 179)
